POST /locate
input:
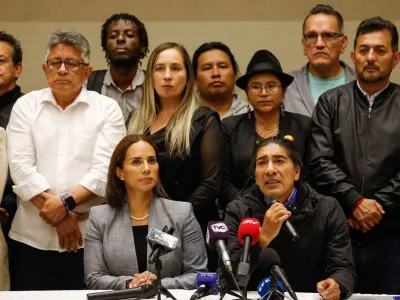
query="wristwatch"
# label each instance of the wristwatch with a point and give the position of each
(70, 201)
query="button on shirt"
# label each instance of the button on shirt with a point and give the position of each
(52, 148)
(128, 99)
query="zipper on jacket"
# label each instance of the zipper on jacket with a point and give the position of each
(366, 149)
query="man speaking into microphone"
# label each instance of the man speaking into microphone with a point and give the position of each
(308, 230)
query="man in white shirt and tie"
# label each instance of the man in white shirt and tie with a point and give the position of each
(59, 143)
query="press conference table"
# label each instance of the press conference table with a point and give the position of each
(179, 294)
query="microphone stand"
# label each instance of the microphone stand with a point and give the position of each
(224, 286)
(160, 288)
(274, 293)
(243, 276)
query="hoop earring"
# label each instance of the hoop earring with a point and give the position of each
(282, 109)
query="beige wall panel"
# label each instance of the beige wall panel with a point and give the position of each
(242, 25)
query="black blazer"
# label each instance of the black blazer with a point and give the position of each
(195, 178)
(239, 142)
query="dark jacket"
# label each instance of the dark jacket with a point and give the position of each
(9, 201)
(323, 250)
(7, 102)
(355, 151)
(195, 178)
(239, 142)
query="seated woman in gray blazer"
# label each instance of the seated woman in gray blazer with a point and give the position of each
(116, 250)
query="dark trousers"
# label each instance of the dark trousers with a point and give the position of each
(34, 269)
(378, 267)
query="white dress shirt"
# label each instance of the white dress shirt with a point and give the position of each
(52, 148)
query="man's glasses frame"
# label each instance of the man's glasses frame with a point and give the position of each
(70, 64)
(312, 37)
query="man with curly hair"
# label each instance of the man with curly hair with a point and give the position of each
(124, 41)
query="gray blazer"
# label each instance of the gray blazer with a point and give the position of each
(298, 97)
(110, 257)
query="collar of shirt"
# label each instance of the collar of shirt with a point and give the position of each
(372, 98)
(137, 80)
(49, 97)
(291, 198)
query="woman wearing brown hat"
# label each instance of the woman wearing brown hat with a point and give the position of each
(265, 84)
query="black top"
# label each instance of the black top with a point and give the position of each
(195, 178)
(7, 102)
(139, 236)
(322, 251)
(240, 138)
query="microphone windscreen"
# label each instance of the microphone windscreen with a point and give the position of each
(251, 227)
(265, 285)
(268, 257)
(270, 200)
(207, 279)
(216, 230)
(158, 237)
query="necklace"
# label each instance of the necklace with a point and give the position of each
(269, 129)
(140, 219)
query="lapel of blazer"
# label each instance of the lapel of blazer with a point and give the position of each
(304, 90)
(154, 222)
(158, 219)
(127, 241)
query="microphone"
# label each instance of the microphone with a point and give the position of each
(287, 224)
(144, 292)
(248, 234)
(269, 286)
(207, 284)
(161, 242)
(216, 237)
(270, 261)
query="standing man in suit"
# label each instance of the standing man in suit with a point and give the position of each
(323, 43)
(355, 155)
(124, 41)
(59, 143)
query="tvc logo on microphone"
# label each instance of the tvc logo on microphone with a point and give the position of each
(219, 227)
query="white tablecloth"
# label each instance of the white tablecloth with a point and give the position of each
(179, 294)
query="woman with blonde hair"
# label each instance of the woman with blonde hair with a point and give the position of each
(187, 134)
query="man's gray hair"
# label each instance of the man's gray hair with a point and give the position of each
(71, 38)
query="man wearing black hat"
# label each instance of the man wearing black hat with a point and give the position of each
(323, 43)
(265, 84)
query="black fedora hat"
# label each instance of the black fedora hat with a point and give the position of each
(263, 61)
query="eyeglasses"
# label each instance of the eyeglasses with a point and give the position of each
(312, 37)
(270, 88)
(70, 64)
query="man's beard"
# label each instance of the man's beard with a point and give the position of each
(125, 63)
(372, 78)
